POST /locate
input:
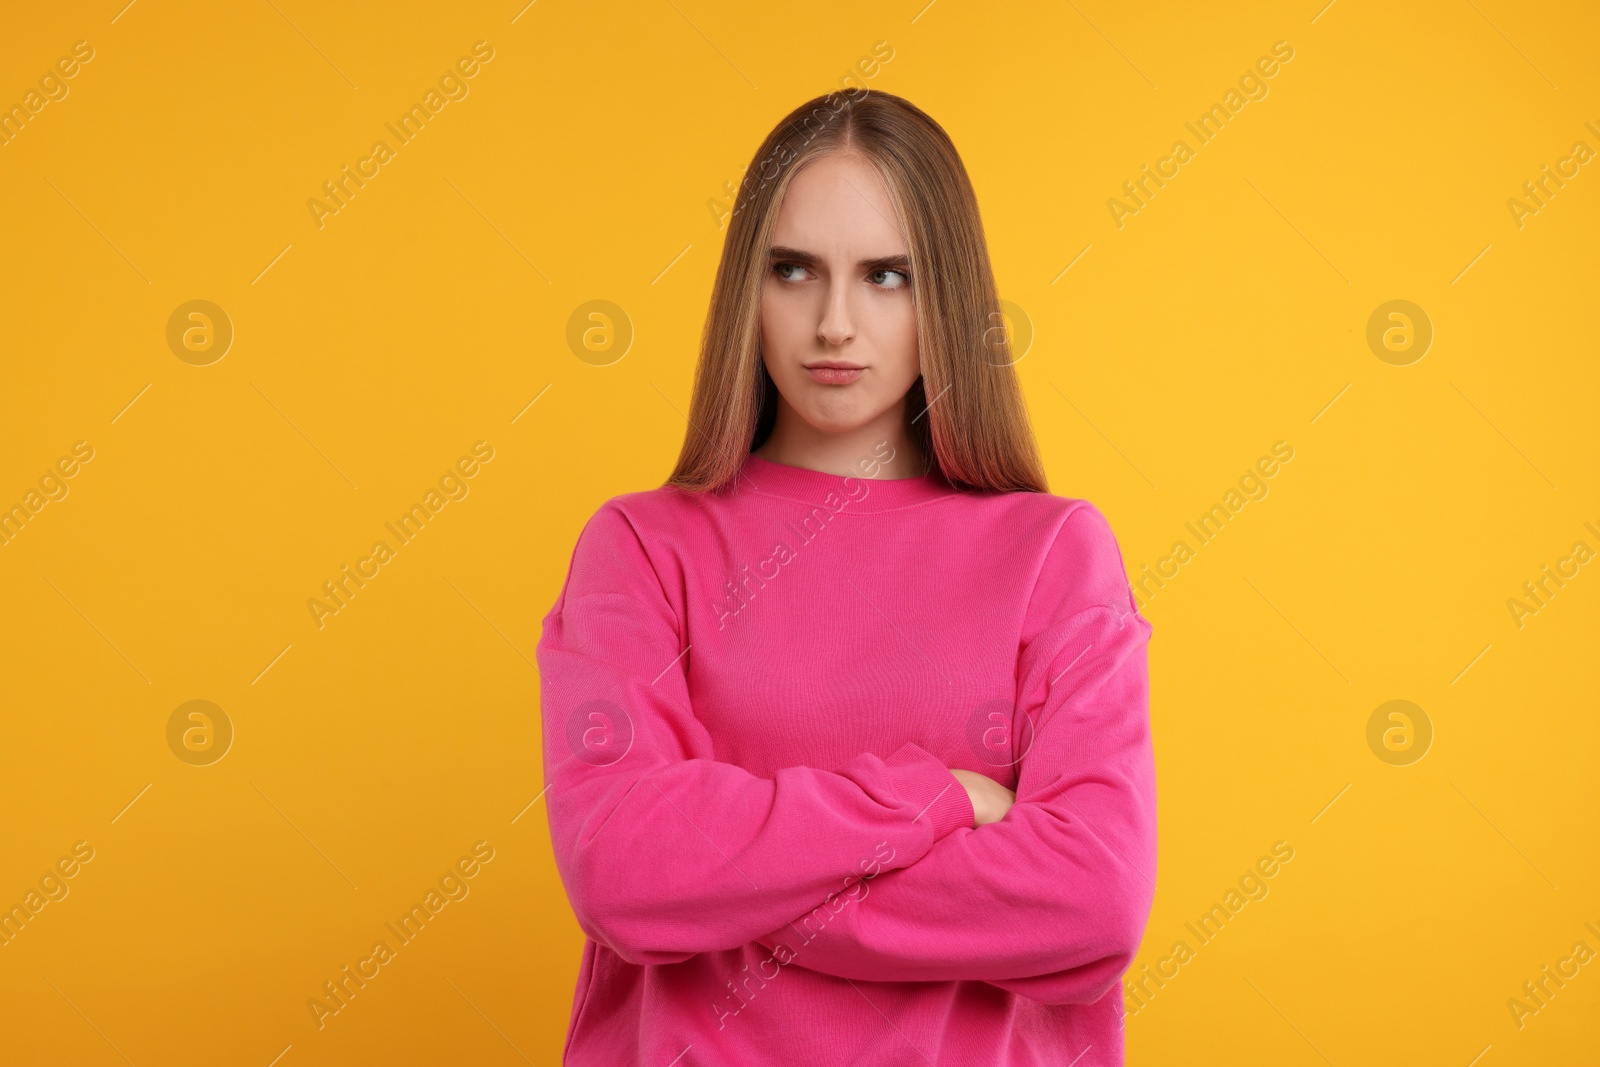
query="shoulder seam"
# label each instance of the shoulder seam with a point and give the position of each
(1076, 504)
(644, 551)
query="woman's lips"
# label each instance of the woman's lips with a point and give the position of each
(835, 375)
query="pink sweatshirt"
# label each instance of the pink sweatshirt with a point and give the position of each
(751, 701)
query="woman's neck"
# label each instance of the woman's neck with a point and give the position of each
(881, 449)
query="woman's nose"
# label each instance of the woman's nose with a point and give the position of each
(836, 326)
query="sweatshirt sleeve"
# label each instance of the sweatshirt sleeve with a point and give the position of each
(1051, 901)
(664, 851)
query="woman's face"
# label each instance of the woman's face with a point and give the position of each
(838, 290)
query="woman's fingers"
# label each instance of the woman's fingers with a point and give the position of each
(990, 799)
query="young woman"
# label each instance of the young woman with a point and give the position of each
(846, 726)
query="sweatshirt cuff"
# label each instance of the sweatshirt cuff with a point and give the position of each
(936, 796)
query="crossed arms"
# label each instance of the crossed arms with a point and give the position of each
(666, 852)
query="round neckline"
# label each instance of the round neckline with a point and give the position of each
(859, 493)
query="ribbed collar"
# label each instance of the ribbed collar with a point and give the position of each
(862, 495)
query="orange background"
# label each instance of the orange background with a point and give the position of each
(585, 162)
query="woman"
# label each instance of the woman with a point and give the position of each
(846, 725)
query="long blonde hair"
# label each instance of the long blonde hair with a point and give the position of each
(976, 430)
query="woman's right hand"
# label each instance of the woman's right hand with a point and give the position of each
(990, 799)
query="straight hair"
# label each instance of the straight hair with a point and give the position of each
(975, 430)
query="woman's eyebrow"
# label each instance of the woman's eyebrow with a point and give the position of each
(806, 259)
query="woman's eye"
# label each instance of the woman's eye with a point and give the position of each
(884, 279)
